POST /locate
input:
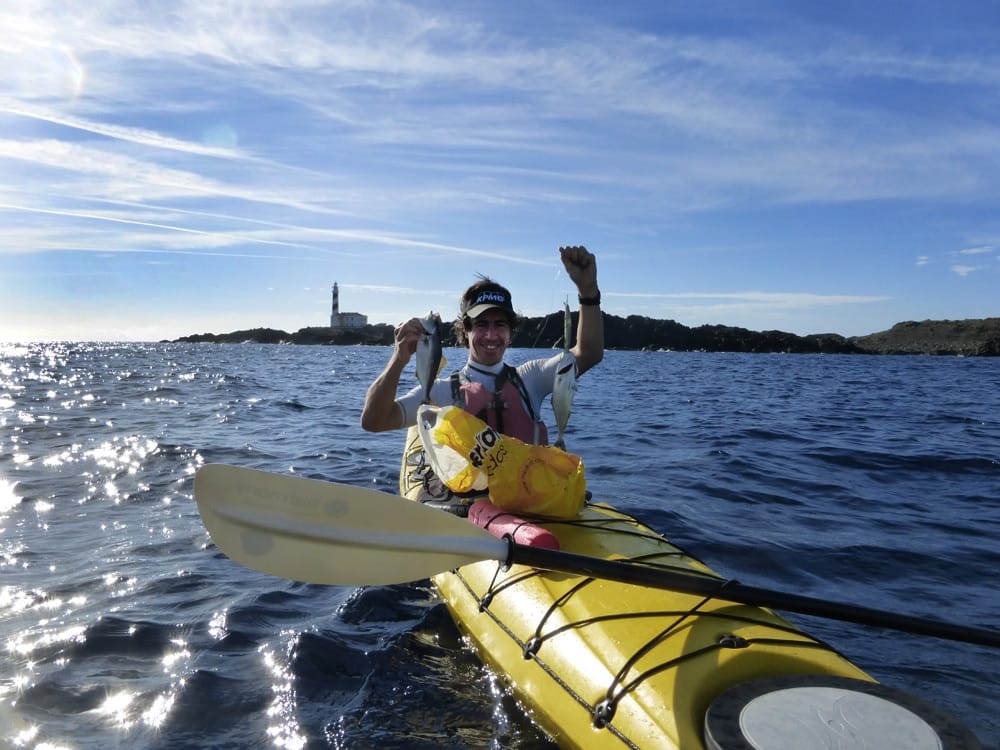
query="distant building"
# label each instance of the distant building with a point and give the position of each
(342, 321)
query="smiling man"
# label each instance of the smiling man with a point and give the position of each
(508, 398)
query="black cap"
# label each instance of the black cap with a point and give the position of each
(487, 299)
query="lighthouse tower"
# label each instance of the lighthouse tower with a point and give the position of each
(343, 321)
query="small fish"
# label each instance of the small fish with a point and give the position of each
(429, 353)
(564, 386)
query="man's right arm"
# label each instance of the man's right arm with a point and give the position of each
(380, 412)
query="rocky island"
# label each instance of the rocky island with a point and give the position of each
(969, 338)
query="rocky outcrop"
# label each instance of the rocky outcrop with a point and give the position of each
(971, 338)
(636, 332)
(376, 334)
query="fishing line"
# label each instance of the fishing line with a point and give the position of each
(545, 321)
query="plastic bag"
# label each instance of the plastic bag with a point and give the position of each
(468, 455)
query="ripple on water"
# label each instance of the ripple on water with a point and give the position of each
(866, 480)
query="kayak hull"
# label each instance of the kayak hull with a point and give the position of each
(606, 664)
(603, 664)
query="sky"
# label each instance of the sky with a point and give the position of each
(172, 168)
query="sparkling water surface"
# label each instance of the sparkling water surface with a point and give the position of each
(867, 480)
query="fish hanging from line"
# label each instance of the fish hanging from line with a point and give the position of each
(429, 357)
(564, 387)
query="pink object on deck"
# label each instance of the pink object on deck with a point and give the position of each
(500, 523)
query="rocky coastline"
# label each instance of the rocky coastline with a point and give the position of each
(968, 338)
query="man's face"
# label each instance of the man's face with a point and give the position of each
(489, 337)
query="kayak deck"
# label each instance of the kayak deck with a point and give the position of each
(602, 664)
(605, 664)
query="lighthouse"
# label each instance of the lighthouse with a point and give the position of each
(342, 321)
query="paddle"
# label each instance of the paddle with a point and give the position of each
(328, 533)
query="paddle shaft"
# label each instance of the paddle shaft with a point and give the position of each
(338, 534)
(734, 591)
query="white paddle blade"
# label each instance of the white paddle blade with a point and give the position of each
(328, 533)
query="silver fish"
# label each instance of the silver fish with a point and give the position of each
(564, 386)
(429, 353)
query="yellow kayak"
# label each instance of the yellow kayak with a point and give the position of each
(601, 664)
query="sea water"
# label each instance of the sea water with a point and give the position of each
(868, 480)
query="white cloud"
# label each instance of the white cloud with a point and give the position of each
(782, 300)
(141, 136)
(394, 135)
(382, 70)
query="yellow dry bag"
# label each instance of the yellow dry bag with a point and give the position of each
(468, 455)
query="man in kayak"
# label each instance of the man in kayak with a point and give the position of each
(508, 398)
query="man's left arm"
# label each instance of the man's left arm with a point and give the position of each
(581, 267)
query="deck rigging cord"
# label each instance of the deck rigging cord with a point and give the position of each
(621, 684)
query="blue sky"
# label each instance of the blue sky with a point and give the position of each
(169, 168)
